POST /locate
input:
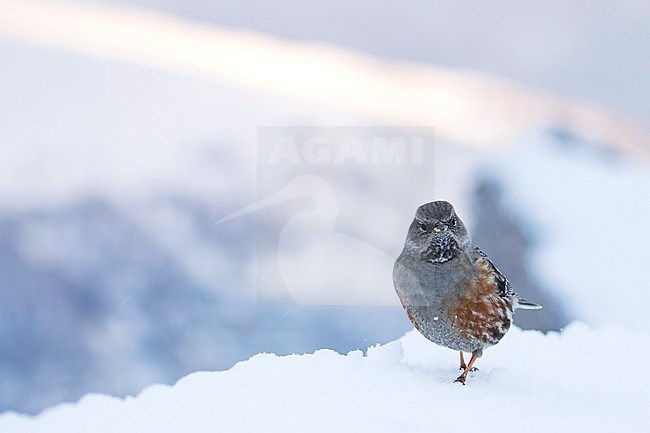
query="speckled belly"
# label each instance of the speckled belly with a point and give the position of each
(469, 323)
(432, 323)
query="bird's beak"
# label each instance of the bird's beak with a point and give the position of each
(439, 227)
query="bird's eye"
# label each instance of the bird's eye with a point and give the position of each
(422, 226)
(453, 221)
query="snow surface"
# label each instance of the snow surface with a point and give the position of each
(577, 380)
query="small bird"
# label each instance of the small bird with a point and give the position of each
(452, 292)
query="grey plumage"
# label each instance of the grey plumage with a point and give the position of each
(452, 292)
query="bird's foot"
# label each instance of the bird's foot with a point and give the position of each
(473, 369)
(461, 379)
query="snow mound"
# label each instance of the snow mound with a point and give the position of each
(575, 380)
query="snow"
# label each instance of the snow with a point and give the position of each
(577, 380)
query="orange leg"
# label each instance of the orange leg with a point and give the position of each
(462, 362)
(468, 368)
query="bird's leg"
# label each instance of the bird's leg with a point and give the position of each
(463, 365)
(468, 368)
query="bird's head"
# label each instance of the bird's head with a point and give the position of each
(437, 223)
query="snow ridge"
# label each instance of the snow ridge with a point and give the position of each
(575, 380)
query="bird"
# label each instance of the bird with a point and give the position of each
(452, 292)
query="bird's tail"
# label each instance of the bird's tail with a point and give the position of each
(527, 305)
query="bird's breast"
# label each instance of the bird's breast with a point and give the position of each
(455, 303)
(422, 283)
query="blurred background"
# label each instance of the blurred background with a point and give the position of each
(131, 129)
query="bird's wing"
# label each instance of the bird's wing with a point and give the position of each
(504, 289)
(503, 285)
